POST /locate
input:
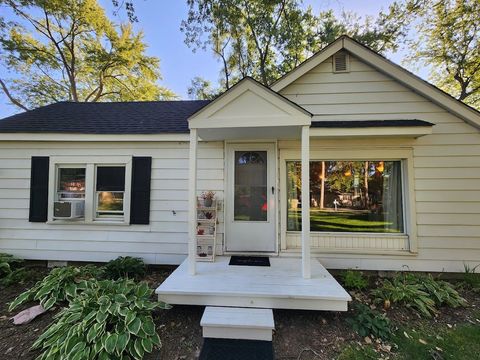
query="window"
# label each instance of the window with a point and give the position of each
(348, 196)
(250, 202)
(91, 191)
(71, 183)
(110, 191)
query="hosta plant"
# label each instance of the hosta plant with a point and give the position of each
(8, 263)
(421, 293)
(61, 284)
(109, 320)
(125, 267)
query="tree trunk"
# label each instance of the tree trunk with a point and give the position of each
(322, 188)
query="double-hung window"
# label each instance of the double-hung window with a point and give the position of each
(90, 191)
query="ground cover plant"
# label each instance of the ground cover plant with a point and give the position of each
(125, 267)
(368, 322)
(12, 270)
(421, 293)
(109, 319)
(354, 280)
(60, 285)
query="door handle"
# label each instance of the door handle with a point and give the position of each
(273, 190)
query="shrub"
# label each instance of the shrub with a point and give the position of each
(59, 285)
(369, 322)
(421, 293)
(354, 280)
(17, 276)
(125, 267)
(109, 320)
(8, 263)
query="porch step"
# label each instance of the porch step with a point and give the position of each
(237, 323)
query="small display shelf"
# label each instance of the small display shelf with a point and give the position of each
(206, 230)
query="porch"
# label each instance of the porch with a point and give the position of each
(279, 286)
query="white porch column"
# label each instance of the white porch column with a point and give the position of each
(192, 201)
(306, 202)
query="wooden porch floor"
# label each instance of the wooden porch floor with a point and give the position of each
(279, 286)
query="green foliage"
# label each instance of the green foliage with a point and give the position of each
(125, 267)
(471, 278)
(17, 276)
(354, 280)
(69, 50)
(108, 320)
(366, 321)
(460, 343)
(421, 293)
(8, 263)
(61, 284)
(11, 271)
(266, 39)
(447, 41)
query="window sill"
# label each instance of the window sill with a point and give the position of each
(82, 222)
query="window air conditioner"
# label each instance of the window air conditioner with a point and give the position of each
(69, 209)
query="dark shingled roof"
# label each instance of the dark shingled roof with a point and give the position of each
(369, 123)
(145, 117)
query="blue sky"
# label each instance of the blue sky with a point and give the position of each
(160, 21)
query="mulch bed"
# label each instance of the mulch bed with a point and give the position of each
(299, 335)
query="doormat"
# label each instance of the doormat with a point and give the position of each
(250, 260)
(232, 349)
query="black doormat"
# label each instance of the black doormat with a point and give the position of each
(230, 349)
(250, 260)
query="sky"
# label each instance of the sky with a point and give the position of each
(160, 21)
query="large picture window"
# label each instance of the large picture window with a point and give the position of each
(348, 196)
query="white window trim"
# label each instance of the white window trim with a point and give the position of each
(90, 163)
(404, 155)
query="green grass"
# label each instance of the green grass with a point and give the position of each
(341, 221)
(459, 343)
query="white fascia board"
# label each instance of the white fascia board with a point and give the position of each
(402, 131)
(91, 137)
(296, 114)
(413, 82)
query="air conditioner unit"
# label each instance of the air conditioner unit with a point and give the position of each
(69, 209)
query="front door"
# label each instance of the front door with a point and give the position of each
(250, 202)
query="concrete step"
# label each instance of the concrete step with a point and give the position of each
(237, 323)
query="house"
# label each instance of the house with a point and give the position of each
(347, 161)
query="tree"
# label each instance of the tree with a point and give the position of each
(448, 42)
(70, 50)
(201, 89)
(267, 38)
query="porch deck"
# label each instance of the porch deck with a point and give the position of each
(280, 286)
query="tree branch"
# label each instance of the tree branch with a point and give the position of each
(10, 96)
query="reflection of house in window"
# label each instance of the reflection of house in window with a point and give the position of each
(368, 195)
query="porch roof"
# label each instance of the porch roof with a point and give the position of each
(249, 106)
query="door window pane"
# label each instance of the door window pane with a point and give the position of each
(250, 187)
(110, 191)
(348, 196)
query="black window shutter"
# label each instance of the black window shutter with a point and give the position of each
(140, 196)
(39, 189)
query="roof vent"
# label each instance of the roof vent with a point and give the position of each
(340, 62)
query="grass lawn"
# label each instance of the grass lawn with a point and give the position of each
(341, 221)
(460, 343)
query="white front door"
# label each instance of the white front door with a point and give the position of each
(250, 203)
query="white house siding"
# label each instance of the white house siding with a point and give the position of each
(446, 165)
(163, 241)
